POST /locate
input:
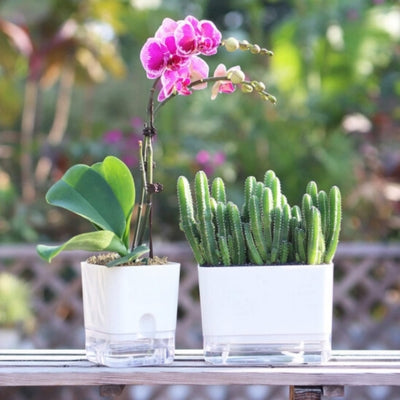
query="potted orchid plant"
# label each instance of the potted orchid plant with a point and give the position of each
(130, 313)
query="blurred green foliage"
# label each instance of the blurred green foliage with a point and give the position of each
(335, 73)
(15, 302)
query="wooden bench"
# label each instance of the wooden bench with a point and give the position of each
(306, 382)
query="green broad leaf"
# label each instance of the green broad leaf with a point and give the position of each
(131, 257)
(120, 179)
(92, 241)
(84, 191)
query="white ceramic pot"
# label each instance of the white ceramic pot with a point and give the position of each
(266, 314)
(130, 313)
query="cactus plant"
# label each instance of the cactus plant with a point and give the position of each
(266, 231)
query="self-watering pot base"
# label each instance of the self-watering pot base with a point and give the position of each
(130, 313)
(265, 350)
(266, 315)
(129, 350)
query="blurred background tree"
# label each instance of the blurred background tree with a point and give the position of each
(72, 90)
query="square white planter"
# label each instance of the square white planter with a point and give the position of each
(266, 314)
(130, 313)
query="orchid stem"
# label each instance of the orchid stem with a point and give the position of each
(147, 166)
(139, 222)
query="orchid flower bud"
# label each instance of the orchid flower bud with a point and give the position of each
(268, 97)
(258, 86)
(272, 99)
(244, 45)
(236, 76)
(266, 52)
(255, 49)
(231, 44)
(246, 88)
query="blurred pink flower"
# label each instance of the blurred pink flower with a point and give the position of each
(112, 137)
(208, 162)
(137, 124)
(219, 158)
(203, 157)
(130, 160)
(125, 144)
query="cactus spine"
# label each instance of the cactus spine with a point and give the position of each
(267, 231)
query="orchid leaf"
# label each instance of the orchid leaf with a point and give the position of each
(84, 191)
(92, 241)
(133, 256)
(121, 182)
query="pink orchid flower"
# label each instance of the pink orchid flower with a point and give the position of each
(185, 39)
(193, 37)
(209, 37)
(222, 86)
(198, 70)
(167, 28)
(171, 54)
(174, 81)
(165, 33)
(154, 57)
(177, 81)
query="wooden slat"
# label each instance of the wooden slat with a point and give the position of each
(70, 367)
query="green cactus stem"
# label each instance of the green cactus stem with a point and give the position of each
(267, 207)
(187, 220)
(222, 221)
(306, 206)
(258, 190)
(205, 218)
(269, 176)
(249, 187)
(323, 207)
(312, 190)
(256, 226)
(296, 213)
(277, 222)
(224, 251)
(239, 252)
(285, 251)
(254, 255)
(218, 190)
(334, 222)
(276, 192)
(267, 231)
(300, 241)
(314, 236)
(286, 218)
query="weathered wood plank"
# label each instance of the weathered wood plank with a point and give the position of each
(65, 368)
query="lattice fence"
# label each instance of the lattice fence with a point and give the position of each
(366, 316)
